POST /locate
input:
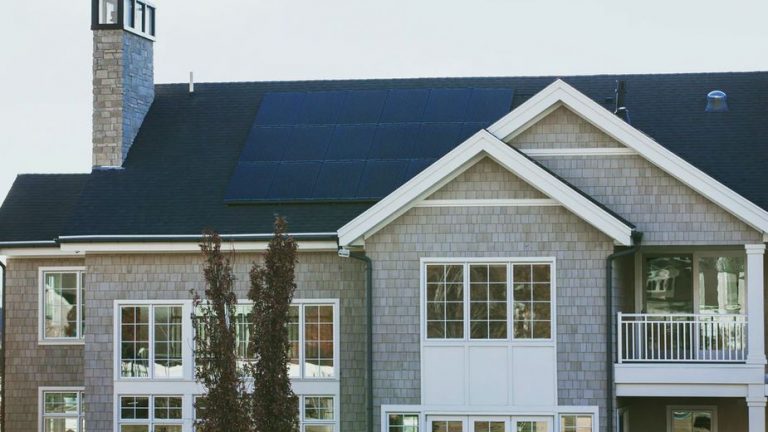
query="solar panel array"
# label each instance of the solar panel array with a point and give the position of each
(355, 145)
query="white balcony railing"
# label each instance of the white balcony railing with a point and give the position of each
(682, 338)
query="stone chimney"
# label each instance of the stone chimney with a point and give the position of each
(123, 75)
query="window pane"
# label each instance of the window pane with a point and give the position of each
(134, 341)
(722, 288)
(168, 342)
(61, 403)
(487, 301)
(318, 428)
(447, 426)
(669, 284)
(403, 423)
(82, 304)
(575, 423)
(318, 408)
(532, 308)
(489, 426)
(167, 428)
(60, 424)
(139, 17)
(294, 369)
(445, 300)
(532, 426)
(134, 428)
(61, 303)
(167, 407)
(134, 407)
(318, 341)
(108, 12)
(150, 21)
(128, 13)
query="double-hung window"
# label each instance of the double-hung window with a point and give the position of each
(62, 311)
(151, 341)
(318, 414)
(62, 410)
(495, 300)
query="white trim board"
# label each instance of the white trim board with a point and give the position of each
(581, 151)
(487, 203)
(458, 160)
(560, 94)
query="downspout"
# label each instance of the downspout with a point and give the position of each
(637, 238)
(361, 256)
(2, 359)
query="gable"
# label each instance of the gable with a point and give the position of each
(563, 129)
(486, 180)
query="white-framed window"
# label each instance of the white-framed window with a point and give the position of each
(576, 423)
(692, 418)
(150, 341)
(61, 409)
(312, 333)
(403, 422)
(62, 305)
(488, 299)
(318, 413)
(447, 424)
(150, 413)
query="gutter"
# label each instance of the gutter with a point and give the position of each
(361, 256)
(129, 238)
(637, 238)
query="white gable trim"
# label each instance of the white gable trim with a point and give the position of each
(480, 145)
(560, 93)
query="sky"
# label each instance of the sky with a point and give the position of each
(45, 51)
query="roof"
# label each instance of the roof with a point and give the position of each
(176, 175)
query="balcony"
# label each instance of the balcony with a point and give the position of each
(682, 338)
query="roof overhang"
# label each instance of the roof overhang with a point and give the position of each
(559, 93)
(481, 145)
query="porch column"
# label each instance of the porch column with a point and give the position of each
(756, 408)
(755, 310)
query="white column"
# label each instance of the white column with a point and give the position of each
(756, 408)
(755, 307)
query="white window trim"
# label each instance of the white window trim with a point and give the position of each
(186, 345)
(712, 408)
(48, 389)
(510, 340)
(185, 422)
(579, 413)
(336, 418)
(41, 338)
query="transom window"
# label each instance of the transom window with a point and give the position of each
(151, 341)
(150, 413)
(62, 305)
(500, 299)
(63, 411)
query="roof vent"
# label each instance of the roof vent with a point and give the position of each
(717, 101)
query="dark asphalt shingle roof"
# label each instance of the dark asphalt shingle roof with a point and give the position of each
(176, 175)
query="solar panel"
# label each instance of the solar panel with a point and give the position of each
(355, 145)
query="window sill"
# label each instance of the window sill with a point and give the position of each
(61, 342)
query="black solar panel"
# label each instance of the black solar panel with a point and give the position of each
(355, 145)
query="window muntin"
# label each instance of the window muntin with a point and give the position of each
(150, 413)
(445, 301)
(151, 341)
(575, 423)
(532, 301)
(397, 422)
(62, 305)
(318, 414)
(63, 411)
(486, 293)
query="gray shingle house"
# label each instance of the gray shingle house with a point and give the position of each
(523, 254)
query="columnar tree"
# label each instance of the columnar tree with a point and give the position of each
(224, 405)
(274, 406)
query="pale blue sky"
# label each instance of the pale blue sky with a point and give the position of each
(45, 51)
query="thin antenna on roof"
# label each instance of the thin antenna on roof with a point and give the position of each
(191, 82)
(621, 107)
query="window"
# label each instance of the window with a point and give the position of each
(62, 304)
(403, 423)
(318, 414)
(447, 425)
(128, 13)
(532, 426)
(311, 334)
(489, 426)
(150, 414)
(575, 423)
(692, 419)
(108, 11)
(486, 293)
(63, 411)
(151, 341)
(722, 286)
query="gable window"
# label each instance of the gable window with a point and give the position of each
(62, 311)
(62, 410)
(151, 413)
(151, 341)
(488, 300)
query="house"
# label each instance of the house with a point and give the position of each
(541, 254)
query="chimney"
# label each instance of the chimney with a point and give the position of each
(123, 75)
